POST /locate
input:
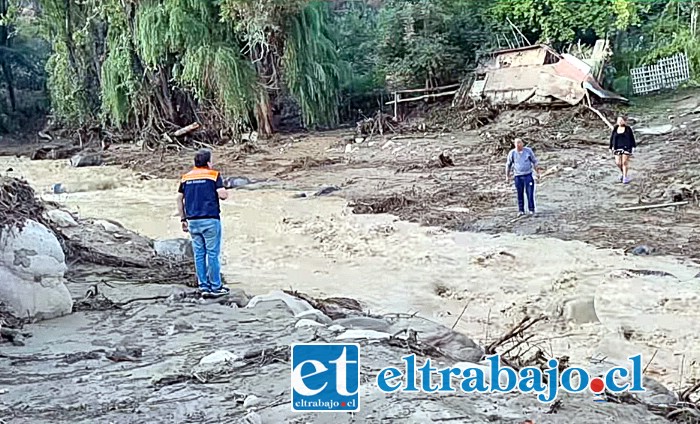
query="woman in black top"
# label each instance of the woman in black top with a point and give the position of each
(622, 144)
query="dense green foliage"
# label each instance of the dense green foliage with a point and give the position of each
(153, 65)
(22, 54)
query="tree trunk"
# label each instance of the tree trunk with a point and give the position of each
(6, 67)
(263, 114)
(7, 71)
(166, 98)
(68, 36)
(263, 107)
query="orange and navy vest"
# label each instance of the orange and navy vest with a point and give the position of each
(199, 188)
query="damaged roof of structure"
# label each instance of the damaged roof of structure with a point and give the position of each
(524, 48)
(536, 75)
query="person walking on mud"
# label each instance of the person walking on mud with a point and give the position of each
(520, 165)
(198, 204)
(622, 145)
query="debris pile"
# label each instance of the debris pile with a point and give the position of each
(450, 119)
(444, 160)
(557, 130)
(7, 319)
(665, 187)
(306, 163)
(377, 124)
(450, 207)
(18, 204)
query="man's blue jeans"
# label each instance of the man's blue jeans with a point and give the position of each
(525, 184)
(206, 244)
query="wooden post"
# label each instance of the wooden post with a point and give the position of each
(396, 106)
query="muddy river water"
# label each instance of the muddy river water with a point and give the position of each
(273, 241)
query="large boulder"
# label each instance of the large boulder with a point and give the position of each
(178, 249)
(32, 266)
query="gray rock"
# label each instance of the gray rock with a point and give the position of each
(305, 323)
(238, 297)
(182, 325)
(296, 306)
(363, 335)
(80, 160)
(642, 250)
(657, 130)
(235, 182)
(251, 401)
(111, 227)
(179, 249)
(316, 315)
(581, 310)
(456, 345)
(326, 191)
(364, 323)
(62, 218)
(32, 265)
(218, 357)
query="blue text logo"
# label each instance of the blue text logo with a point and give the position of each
(326, 377)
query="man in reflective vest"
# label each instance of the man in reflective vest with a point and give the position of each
(198, 204)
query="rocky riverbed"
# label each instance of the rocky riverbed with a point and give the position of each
(182, 359)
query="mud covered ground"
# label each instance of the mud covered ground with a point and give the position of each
(578, 198)
(146, 369)
(314, 246)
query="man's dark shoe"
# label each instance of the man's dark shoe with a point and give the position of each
(223, 291)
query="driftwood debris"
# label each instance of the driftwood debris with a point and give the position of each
(55, 151)
(186, 130)
(423, 97)
(656, 206)
(44, 136)
(86, 159)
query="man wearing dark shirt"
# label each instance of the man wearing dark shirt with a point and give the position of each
(198, 205)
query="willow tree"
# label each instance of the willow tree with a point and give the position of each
(73, 69)
(184, 42)
(165, 63)
(312, 70)
(291, 45)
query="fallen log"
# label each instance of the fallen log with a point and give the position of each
(657, 206)
(55, 151)
(188, 129)
(45, 136)
(81, 160)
